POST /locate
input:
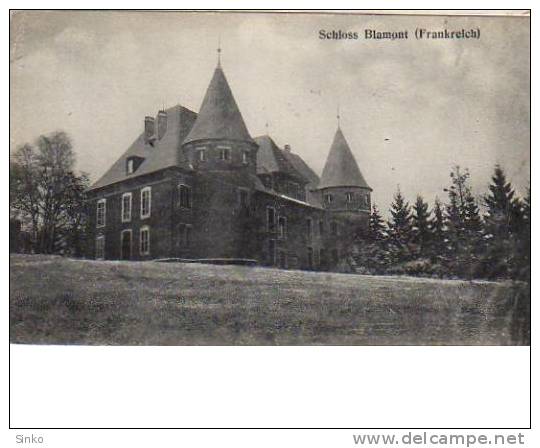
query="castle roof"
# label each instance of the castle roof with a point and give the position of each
(272, 159)
(341, 169)
(161, 153)
(303, 168)
(219, 117)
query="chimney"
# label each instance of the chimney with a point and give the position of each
(149, 129)
(287, 148)
(161, 123)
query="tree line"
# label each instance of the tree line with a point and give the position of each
(454, 238)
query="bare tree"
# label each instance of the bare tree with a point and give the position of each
(46, 193)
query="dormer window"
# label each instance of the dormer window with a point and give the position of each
(350, 197)
(328, 198)
(132, 163)
(224, 152)
(245, 158)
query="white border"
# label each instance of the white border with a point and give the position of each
(93, 383)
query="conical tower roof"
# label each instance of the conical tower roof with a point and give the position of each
(341, 169)
(219, 117)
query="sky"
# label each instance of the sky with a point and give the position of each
(410, 109)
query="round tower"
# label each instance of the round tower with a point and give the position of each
(345, 195)
(219, 139)
(342, 187)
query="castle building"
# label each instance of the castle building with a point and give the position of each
(199, 186)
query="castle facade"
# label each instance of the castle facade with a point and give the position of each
(200, 187)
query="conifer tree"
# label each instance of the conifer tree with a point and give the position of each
(376, 225)
(504, 228)
(437, 223)
(472, 221)
(437, 227)
(503, 209)
(525, 239)
(461, 222)
(526, 212)
(371, 254)
(400, 228)
(420, 225)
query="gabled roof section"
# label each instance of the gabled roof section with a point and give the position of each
(162, 153)
(219, 117)
(303, 168)
(272, 159)
(341, 169)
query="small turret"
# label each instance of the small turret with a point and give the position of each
(342, 185)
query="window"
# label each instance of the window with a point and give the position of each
(335, 256)
(282, 227)
(310, 258)
(185, 196)
(146, 202)
(282, 258)
(334, 228)
(184, 234)
(293, 189)
(270, 219)
(201, 155)
(322, 258)
(101, 211)
(350, 197)
(309, 228)
(321, 227)
(126, 207)
(132, 163)
(245, 157)
(366, 200)
(328, 198)
(125, 244)
(100, 248)
(243, 197)
(272, 252)
(224, 152)
(187, 235)
(144, 240)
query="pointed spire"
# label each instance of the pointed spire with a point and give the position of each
(219, 117)
(341, 169)
(219, 52)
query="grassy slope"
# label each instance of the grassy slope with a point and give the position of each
(59, 301)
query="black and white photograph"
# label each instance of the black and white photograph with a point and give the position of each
(236, 178)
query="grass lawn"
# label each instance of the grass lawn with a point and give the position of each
(55, 300)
